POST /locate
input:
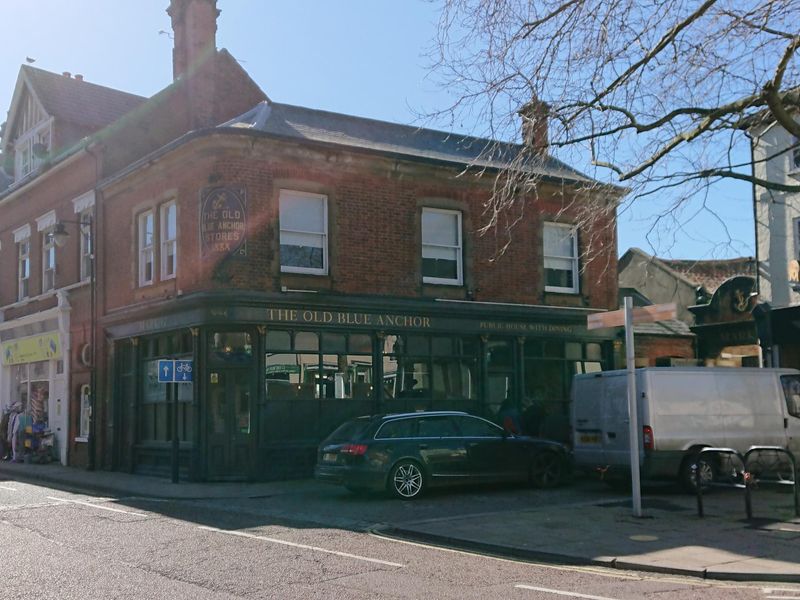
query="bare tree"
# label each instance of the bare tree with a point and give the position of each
(656, 95)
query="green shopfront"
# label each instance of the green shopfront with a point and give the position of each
(272, 378)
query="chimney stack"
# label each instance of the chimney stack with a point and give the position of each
(194, 25)
(534, 125)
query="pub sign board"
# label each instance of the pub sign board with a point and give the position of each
(223, 222)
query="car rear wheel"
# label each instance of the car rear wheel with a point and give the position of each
(407, 480)
(546, 469)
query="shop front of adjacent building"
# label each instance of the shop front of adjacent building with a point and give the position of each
(272, 377)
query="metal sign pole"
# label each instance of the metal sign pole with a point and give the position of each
(633, 413)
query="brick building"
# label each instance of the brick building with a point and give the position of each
(312, 266)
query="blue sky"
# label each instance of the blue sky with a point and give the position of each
(360, 57)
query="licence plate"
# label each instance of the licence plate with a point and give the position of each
(329, 457)
(589, 438)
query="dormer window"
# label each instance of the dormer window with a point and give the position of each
(31, 150)
(32, 145)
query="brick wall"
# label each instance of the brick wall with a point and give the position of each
(374, 207)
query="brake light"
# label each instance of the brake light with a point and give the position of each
(647, 437)
(354, 449)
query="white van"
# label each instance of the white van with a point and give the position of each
(682, 410)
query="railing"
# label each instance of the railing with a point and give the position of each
(748, 481)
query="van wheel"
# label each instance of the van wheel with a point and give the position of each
(706, 467)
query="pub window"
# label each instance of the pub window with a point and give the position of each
(231, 347)
(560, 258)
(303, 233)
(441, 246)
(430, 372)
(315, 383)
(146, 232)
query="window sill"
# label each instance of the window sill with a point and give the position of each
(562, 291)
(82, 439)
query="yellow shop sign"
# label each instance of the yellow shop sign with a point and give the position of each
(31, 349)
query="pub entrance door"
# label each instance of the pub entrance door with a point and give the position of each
(231, 447)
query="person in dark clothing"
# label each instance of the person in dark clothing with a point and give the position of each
(509, 417)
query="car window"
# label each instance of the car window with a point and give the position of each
(474, 427)
(402, 428)
(437, 427)
(349, 431)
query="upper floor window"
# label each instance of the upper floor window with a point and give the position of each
(146, 226)
(794, 157)
(85, 219)
(560, 258)
(441, 246)
(31, 136)
(48, 261)
(169, 240)
(23, 268)
(304, 233)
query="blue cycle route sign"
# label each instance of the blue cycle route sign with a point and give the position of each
(183, 371)
(174, 371)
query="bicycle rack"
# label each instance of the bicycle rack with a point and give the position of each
(748, 481)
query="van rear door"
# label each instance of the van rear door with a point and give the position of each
(587, 414)
(791, 392)
(616, 422)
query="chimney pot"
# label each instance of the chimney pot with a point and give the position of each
(67, 74)
(534, 125)
(78, 76)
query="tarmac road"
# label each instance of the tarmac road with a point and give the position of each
(302, 541)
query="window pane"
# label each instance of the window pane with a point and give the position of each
(306, 341)
(231, 346)
(556, 278)
(472, 427)
(437, 427)
(361, 344)
(302, 250)
(440, 268)
(278, 340)
(594, 352)
(402, 428)
(440, 228)
(304, 214)
(333, 342)
(558, 241)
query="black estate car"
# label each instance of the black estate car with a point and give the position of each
(406, 453)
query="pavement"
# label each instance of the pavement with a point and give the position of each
(670, 537)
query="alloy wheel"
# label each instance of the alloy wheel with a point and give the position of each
(407, 480)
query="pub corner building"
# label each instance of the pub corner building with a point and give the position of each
(253, 274)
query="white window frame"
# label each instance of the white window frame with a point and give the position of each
(323, 235)
(573, 232)
(794, 155)
(48, 261)
(459, 247)
(146, 252)
(168, 243)
(85, 231)
(84, 414)
(23, 266)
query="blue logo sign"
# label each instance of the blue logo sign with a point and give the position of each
(166, 371)
(175, 371)
(183, 371)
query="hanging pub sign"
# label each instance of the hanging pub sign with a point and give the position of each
(223, 222)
